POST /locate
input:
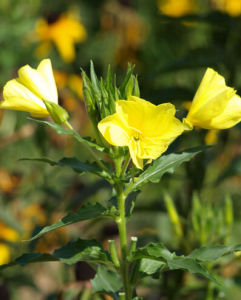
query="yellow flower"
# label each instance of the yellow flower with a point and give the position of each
(146, 129)
(215, 105)
(176, 8)
(31, 87)
(64, 33)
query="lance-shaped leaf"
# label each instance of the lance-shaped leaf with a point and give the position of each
(166, 164)
(72, 162)
(80, 250)
(213, 252)
(86, 212)
(60, 130)
(106, 281)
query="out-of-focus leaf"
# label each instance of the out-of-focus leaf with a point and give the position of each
(60, 130)
(106, 281)
(213, 252)
(233, 169)
(166, 164)
(86, 212)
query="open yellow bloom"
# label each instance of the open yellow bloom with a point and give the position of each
(146, 129)
(64, 33)
(215, 105)
(31, 87)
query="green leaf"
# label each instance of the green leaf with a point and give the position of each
(213, 252)
(72, 162)
(150, 266)
(166, 164)
(158, 252)
(80, 250)
(106, 281)
(190, 265)
(29, 258)
(86, 212)
(60, 130)
(155, 251)
(86, 250)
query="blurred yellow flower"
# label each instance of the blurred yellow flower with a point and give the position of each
(215, 105)
(211, 137)
(75, 83)
(31, 87)
(232, 7)
(176, 8)
(4, 254)
(146, 129)
(64, 33)
(10, 235)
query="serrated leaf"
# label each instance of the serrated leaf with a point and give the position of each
(212, 253)
(86, 250)
(60, 130)
(166, 164)
(106, 281)
(189, 265)
(86, 212)
(80, 250)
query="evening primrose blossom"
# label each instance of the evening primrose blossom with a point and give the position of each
(146, 129)
(26, 92)
(215, 105)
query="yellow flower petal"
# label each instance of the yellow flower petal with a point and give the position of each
(36, 82)
(230, 116)
(18, 97)
(114, 131)
(134, 149)
(45, 68)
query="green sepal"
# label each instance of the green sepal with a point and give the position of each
(57, 112)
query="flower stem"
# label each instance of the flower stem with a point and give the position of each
(121, 222)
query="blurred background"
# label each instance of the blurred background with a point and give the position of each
(171, 43)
